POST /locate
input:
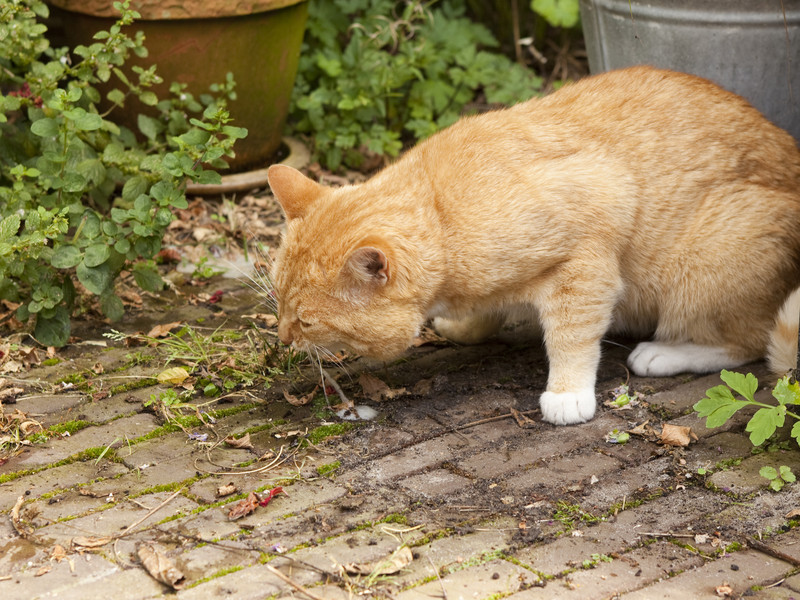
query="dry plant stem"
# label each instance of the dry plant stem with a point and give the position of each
(335, 385)
(148, 515)
(667, 534)
(766, 549)
(294, 584)
(441, 583)
(491, 419)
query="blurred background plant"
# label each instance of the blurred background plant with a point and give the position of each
(378, 75)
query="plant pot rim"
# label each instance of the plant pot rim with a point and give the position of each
(157, 10)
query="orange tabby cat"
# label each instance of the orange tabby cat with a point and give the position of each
(641, 200)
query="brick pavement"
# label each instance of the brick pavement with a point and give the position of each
(489, 510)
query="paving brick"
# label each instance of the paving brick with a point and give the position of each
(127, 584)
(58, 449)
(626, 484)
(745, 479)
(616, 535)
(57, 478)
(456, 549)
(60, 579)
(481, 581)
(435, 483)
(250, 583)
(113, 520)
(538, 447)
(556, 473)
(624, 573)
(754, 568)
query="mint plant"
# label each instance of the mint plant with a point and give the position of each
(81, 198)
(720, 404)
(377, 74)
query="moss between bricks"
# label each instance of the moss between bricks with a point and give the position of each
(329, 469)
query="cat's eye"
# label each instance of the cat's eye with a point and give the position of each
(304, 324)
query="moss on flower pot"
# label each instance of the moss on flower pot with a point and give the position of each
(198, 42)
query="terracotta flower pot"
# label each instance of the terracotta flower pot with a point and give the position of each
(198, 42)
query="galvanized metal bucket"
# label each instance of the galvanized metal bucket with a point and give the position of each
(751, 47)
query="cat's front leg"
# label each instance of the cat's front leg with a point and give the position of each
(574, 317)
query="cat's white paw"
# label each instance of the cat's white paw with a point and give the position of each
(568, 408)
(656, 359)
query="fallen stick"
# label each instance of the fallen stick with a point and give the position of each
(294, 584)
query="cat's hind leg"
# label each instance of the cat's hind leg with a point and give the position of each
(660, 359)
(473, 329)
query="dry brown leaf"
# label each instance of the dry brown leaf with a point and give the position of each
(724, 590)
(300, 400)
(58, 553)
(98, 368)
(423, 387)
(160, 567)
(793, 514)
(42, 571)
(376, 390)
(227, 490)
(268, 319)
(243, 442)
(522, 420)
(9, 394)
(244, 507)
(162, 330)
(173, 376)
(399, 559)
(82, 542)
(676, 435)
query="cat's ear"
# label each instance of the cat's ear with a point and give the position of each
(368, 265)
(294, 191)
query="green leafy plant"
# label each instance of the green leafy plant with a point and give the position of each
(81, 198)
(777, 477)
(559, 13)
(720, 404)
(375, 74)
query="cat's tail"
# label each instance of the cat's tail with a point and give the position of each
(782, 349)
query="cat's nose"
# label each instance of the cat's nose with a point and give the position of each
(285, 333)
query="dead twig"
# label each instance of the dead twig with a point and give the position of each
(762, 547)
(293, 583)
(667, 534)
(439, 577)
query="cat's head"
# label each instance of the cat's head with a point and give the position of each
(341, 276)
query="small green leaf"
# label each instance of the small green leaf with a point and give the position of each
(96, 254)
(764, 423)
(45, 127)
(54, 329)
(134, 187)
(147, 277)
(95, 279)
(787, 475)
(785, 392)
(65, 257)
(112, 306)
(745, 385)
(768, 472)
(718, 406)
(776, 484)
